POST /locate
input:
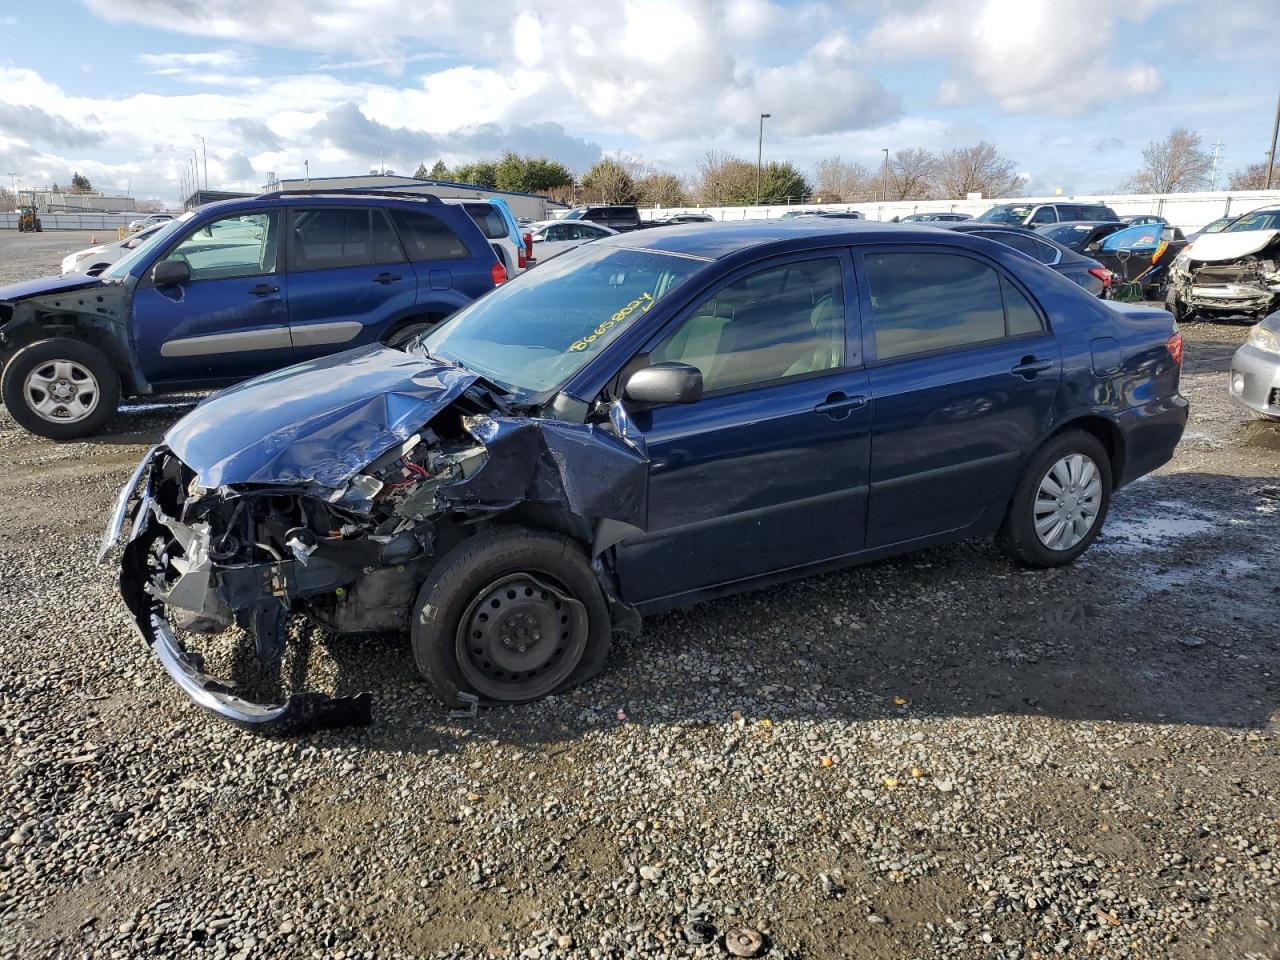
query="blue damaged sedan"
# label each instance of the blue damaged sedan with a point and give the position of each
(648, 421)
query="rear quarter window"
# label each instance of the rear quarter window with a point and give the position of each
(427, 237)
(488, 219)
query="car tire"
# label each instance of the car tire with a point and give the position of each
(399, 338)
(1027, 534)
(88, 385)
(510, 616)
(1180, 313)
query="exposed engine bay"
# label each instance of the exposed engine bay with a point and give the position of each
(349, 550)
(1207, 277)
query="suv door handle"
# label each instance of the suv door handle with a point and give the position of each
(839, 405)
(386, 278)
(262, 290)
(1029, 367)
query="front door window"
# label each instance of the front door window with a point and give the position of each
(241, 245)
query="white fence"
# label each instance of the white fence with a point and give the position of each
(75, 221)
(1190, 211)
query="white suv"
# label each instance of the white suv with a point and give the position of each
(511, 242)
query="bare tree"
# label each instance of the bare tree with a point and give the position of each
(1172, 165)
(977, 169)
(1252, 177)
(838, 179)
(609, 181)
(7, 200)
(912, 174)
(724, 179)
(664, 189)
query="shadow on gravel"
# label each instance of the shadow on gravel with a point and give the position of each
(1170, 618)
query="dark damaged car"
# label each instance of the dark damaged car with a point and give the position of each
(650, 420)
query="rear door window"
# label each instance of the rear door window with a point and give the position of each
(427, 237)
(326, 238)
(926, 302)
(489, 219)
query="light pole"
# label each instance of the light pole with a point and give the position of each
(1271, 155)
(760, 154)
(204, 149)
(884, 177)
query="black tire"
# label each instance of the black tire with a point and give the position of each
(1171, 303)
(1017, 535)
(456, 595)
(46, 352)
(400, 336)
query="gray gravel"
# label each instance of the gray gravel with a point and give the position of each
(941, 755)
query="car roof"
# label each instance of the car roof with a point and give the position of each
(715, 241)
(326, 198)
(1085, 223)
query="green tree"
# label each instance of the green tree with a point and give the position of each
(421, 172)
(439, 171)
(482, 173)
(609, 181)
(80, 184)
(781, 182)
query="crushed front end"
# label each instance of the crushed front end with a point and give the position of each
(1202, 280)
(336, 515)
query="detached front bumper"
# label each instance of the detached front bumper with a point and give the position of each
(203, 590)
(1255, 380)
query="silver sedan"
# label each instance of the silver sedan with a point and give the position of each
(1255, 370)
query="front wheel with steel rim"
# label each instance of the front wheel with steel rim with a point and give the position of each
(509, 616)
(60, 388)
(1059, 504)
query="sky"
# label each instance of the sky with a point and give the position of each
(123, 90)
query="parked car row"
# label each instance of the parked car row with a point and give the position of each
(584, 445)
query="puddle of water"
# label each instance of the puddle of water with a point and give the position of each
(1165, 522)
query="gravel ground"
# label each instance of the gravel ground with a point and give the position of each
(941, 755)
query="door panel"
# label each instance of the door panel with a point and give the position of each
(768, 470)
(966, 387)
(231, 320)
(347, 279)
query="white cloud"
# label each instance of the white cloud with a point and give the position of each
(1027, 56)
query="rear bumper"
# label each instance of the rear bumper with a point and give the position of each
(1151, 434)
(1255, 380)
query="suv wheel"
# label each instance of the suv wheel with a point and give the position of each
(1059, 505)
(510, 616)
(60, 388)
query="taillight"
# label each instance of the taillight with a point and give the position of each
(1174, 344)
(528, 246)
(521, 260)
(499, 274)
(1103, 274)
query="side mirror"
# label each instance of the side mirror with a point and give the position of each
(665, 383)
(171, 273)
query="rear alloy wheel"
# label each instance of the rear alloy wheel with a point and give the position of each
(399, 338)
(509, 616)
(62, 389)
(1060, 503)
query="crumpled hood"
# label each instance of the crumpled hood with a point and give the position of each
(317, 423)
(46, 285)
(1216, 247)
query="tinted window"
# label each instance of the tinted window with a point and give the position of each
(426, 237)
(330, 237)
(386, 248)
(1073, 235)
(488, 219)
(561, 231)
(240, 245)
(782, 322)
(932, 301)
(1023, 242)
(1044, 215)
(1093, 212)
(1021, 315)
(1009, 213)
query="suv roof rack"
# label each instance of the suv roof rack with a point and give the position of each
(349, 192)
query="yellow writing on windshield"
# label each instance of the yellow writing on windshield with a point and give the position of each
(641, 303)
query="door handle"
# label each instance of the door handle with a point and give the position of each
(262, 290)
(839, 405)
(386, 278)
(1029, 367)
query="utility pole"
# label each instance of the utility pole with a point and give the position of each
(1213, 174)
(884, 177)
(1271, 156)
(760, 154)
(204, 149)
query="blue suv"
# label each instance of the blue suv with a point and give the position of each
(232, 290)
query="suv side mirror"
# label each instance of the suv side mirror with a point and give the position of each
(665, 383)
(171, 273)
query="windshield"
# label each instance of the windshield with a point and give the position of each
(120, 269)
(1007, 214)
(532, 335)
(1262, 220)
(574, 214)
(1069, 235)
